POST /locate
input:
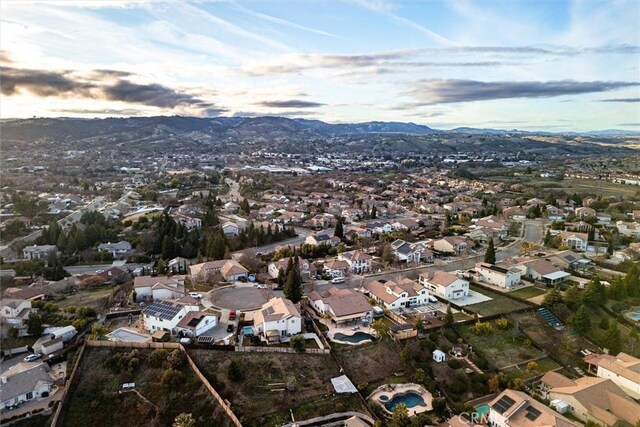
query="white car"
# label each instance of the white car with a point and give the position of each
(337, 280)
(196, 295)
(31, 358)
(261, 286)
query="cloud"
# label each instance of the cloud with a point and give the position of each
(292, 103)
(444, 91)
(5, 58)
(106, 111)
(621, 100)
(99, 84)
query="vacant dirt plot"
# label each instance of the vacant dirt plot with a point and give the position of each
(95, 298)
(372, 363)
(272, 383)
(96, 398)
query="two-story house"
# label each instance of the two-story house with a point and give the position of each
(165, 315)
(277, 318)
(394, 295)
(359, 262)
(444, 285)
(503, 277)
(451, 244)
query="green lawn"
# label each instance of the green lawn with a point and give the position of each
(499, 303)
(528, 292)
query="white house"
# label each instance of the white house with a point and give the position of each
(15, 311)
(543, 270)
(165, 315)
(341, 305)
(231, 270)
(116, 249)
(623, 369)
(406, 252)
(394, 295)
(577, 241)
(319, 238)
(24, 382)
(630, 229)
(39, 251)
(307, 269)
(178, 265)
(359, 262)
(513, 408)
(379, 227)
(277, 318)
(445, 285)
(196, 323)
(155, 288)
(451, 244)
(189, 222)
(230, 229)
(498, 276)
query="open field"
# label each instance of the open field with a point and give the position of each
(95, 298)
(95, 397)
(498, 305)
(528, 292)
(577, 185)
(501, 348)
(272, 383)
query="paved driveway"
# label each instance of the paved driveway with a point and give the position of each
(241, 298)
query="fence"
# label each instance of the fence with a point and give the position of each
(17, 350)
(257, 349)
(57, 421)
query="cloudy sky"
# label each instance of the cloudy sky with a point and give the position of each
(539, 64)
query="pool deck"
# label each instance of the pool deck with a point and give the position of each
(348, 330)
(391, 390)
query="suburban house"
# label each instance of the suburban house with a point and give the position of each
(352, 215)
(341, 305)
(196, 323)
(119, 249)
(149, 288)
(603, 218)
(582, 212)
(592, 399)
(623, 369)
(543, 270)
(189, 222)
(178, 265)
(496, 275)
(229, 269)
(32, 293)
(497, 227)
(406, 252)
(394, 295)
(47, 345)
(554, 213)
(569, 259)
(165, 315)
(39, 251)
(451, 244)
(515, 213)
(513, 408)
(24, 382)
(378, 227)
(230, 229)
(577, 241)
(319, 238)
(359, 262)
(277, 318)
(337, 268)
(406, 224)
(307, 269)
(444, 285)
(630, 229)
(355, 231)
(15, 311)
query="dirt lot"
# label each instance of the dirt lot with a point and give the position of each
(95, 397)
(95, 298)
(273, 383)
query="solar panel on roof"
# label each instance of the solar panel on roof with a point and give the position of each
(503, 404)
(570, 258)
(532, 413)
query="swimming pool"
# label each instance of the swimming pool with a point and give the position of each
(356, 338)
(634, 315)
(482, 410)
(409, 399)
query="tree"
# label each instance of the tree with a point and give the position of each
(374, 212)
(235, 371)
(400, 416)
(595, 293)
(448, 318)
(572, 296)
(293, 287)
(552, 298)
(184, 420)
(387, 254)
(297, 343)
(381, 328)
(339, 231)
(580, 321)
(613, 340)
(490, 254)
(244, 206)
(548, 239)
(161, 267)
(34, 325)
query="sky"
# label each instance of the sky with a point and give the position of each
(548, 65)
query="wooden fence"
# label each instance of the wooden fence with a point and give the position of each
(270, 349)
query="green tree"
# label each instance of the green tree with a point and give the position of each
(595, 294)
(400, 416)
(490, 254)
(297, 343)
(235, 371)
(581, 321)
(381, 328)
(244, 206)
(613, 340)
(293, 287)
(552, 297)
(339, 231)
(34, 325)
(387, 254)
(548, 239)
(572, 296)
(374, 212)
(448, 317)
(162, 267)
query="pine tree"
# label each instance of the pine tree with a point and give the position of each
(244, 206)
(490, 254)
(613, 339)
(547, 238)
(553, 297)
(448, 318)
(581, 322)
(293, 288)
(595, 294)
(339, 231)
(161, 268)
(632, 281)
(374, 212)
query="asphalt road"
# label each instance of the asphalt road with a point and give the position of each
(533, 230)
(295, 241)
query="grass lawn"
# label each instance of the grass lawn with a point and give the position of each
(460, 316)
(597, 187)
(95, 397)
(498, 305)
(528, 292)
(501, 348)
(597, 334)
(272, 383)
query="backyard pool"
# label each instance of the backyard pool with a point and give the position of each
(410, 400)
(356, 338)
(633, 314)
(482, 410)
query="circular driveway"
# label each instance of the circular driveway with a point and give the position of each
(240, 298)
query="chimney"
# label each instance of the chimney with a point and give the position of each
(4, 379)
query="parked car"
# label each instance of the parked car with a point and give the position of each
(230, 327)
(337, 280)
(196, 295)
(232, 315)
(31, 358)
(261, 286)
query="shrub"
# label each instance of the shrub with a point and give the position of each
(171, 377)
(604, 323)
(235, 371)
(297, 343)
(482, 328)
(454, 363)
(157, 357)
(176, 359)
(502, 323)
